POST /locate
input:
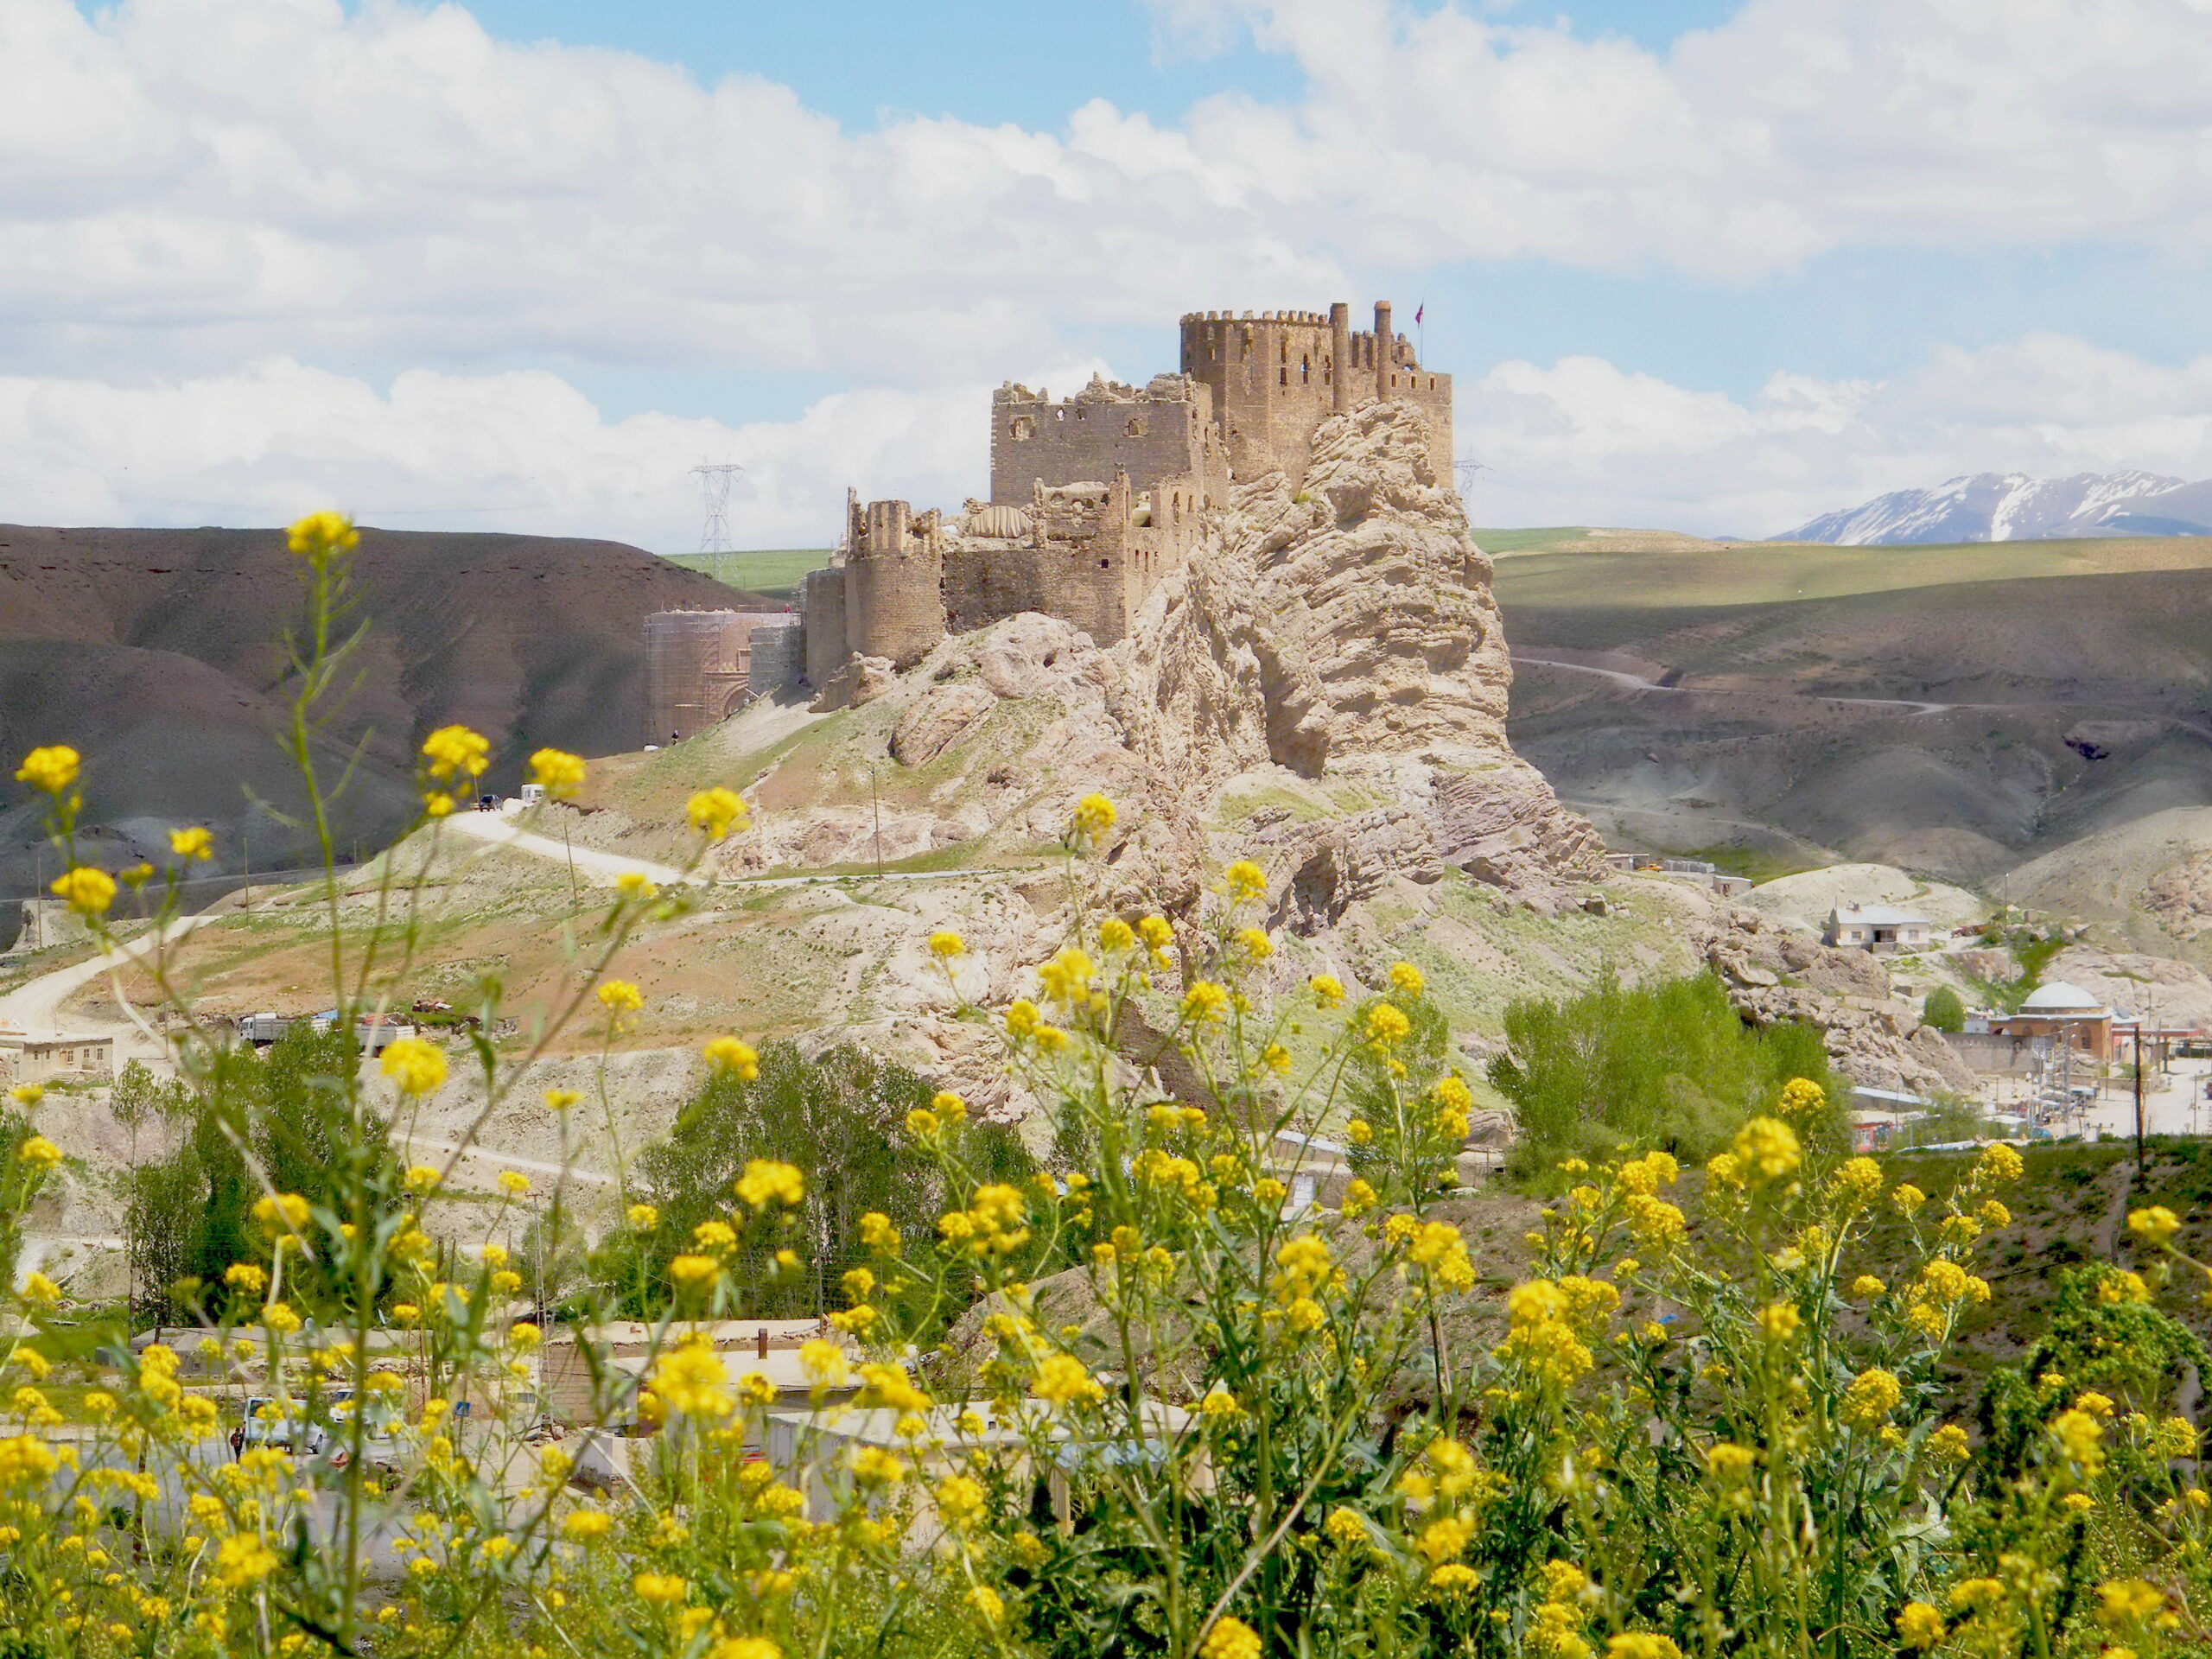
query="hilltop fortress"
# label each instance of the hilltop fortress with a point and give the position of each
(1096, 498)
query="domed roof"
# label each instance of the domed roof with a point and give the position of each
(2059, 997)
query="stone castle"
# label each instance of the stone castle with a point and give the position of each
(1097, 498)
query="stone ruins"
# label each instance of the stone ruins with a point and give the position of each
(1097, 498)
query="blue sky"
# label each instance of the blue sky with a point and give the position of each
(1715, 265)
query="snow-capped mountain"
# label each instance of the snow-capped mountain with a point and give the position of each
(2012, 507)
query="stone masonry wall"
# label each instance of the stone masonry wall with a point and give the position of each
(1164, 429)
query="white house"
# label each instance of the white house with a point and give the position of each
(1879, 928)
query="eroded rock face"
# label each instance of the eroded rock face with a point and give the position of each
(1342, 626)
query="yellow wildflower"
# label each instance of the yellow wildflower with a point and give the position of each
(1767, 1149)
(455, 754)
(945, 944)
(1405, 979)
(51, 768)
(319, 534)
(194, 844)
(39, 1154)
(418, 1068)
(620, 996)
(1094, 817)
(715, 812)
(559, 773)
(2155, 1225)
(1062, 1380)
(765, 1182)
(87, 890)
(1244, 880)
(1230, 1638)
(1328, 990)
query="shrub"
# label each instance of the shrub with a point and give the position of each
(1670, 1064)
(1943, 1010)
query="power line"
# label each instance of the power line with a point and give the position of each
(716, 478)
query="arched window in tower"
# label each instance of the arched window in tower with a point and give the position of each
(1136, 427)
(1023, 430)
(1305, 368)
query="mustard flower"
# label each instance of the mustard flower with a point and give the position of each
(715, 812)
(945, 944)
(1230, 1638)
(1094, 817)
(1919, 1625)
(39, 1154)
(1405, 979)
(2155, 1225)
(728, 1057)
(456, 754)
(765, 1182)
(418, 1068)
(51, 768)
(1062, 1380)
(620, 996)
(1204, 1001)
(319, 534)
(86, 890)
(559, 773)
(194, 843)
(1244, 880)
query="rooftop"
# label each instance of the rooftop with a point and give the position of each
(2059, 997)
(1880, 916)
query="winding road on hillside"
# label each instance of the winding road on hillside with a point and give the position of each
(1637, 683)
(35, 1006)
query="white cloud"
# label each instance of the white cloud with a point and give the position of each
(193, 184)
(522, 451)
(1580, 442)
(1584, 442)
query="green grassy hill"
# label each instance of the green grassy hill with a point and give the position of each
(773, 573)
(1574, 569)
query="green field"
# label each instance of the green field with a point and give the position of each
(772, 573)
(1539, 572)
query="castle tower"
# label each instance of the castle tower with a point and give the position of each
(894, 604)
(1276, 377)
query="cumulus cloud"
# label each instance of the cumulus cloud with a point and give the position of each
(522, 451)
(190, 184)
(1583, 441)
(1578, 442)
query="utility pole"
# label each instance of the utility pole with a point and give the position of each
(875, 800)
(2138, 1104)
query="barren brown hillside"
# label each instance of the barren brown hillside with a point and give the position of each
(157, 653)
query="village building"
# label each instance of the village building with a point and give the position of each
(1881, 929)
(60, 1058)
(2059, 1012)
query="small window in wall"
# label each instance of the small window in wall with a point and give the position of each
(1135, 426)
(1305, 368)
(1023, 430)
(1283, 375)
(1105, 564)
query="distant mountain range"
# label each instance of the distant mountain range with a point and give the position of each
(2013, 508)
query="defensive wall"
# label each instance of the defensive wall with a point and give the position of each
(1162, 430)
(699, 666)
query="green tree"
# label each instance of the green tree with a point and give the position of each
(840, 1118)
(1943, 1010)
(280, 1119)
(1670, 1064)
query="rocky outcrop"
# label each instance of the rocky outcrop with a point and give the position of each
(1775, 973)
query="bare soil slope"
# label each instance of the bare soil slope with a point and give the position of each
(1959, 730)
(157, 653)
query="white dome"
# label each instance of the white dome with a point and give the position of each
(2059, 997)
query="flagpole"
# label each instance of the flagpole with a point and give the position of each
(1420, 331)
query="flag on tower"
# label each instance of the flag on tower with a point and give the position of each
(1419, 312)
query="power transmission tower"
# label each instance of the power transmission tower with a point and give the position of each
(716, 480)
